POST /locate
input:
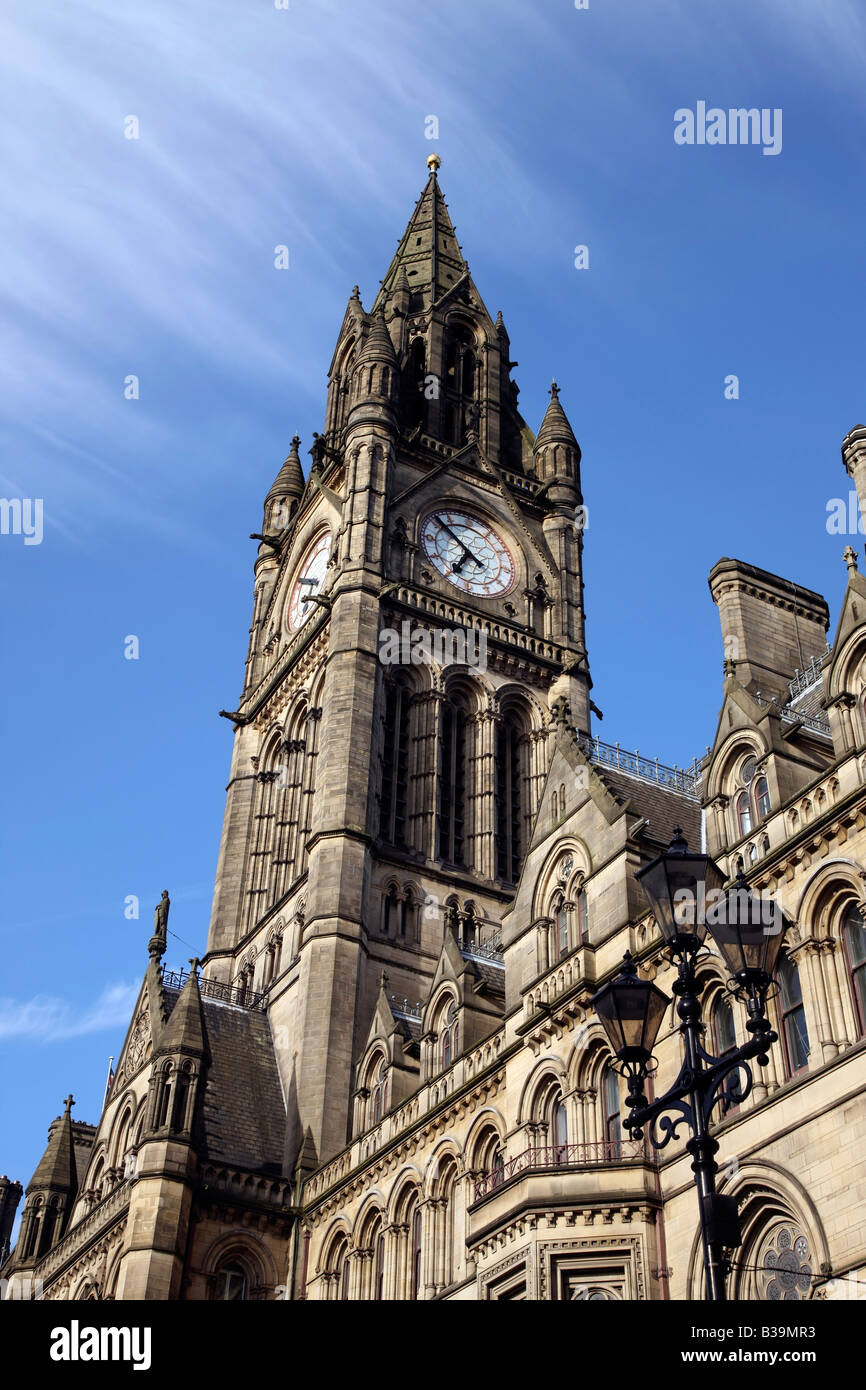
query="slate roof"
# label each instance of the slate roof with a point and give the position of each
(493, 976)
(662, 806)
(244, 1115)
(809, 702)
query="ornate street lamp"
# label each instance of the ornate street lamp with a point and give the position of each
(685, 892)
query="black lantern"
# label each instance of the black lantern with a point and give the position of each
(631, 1011)
(748, 932)
(678, 885)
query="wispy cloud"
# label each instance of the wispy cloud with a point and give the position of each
(46, 1019)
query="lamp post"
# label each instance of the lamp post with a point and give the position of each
(685, 892)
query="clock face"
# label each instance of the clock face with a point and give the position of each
(309, 579)
(468, 552)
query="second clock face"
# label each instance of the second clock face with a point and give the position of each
(468, 552)
(309, 580)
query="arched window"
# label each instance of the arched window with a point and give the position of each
(415, 407)
(762, 798)
(345, 1276)
(395, 763)
(744, 813)
(379, 1266)
(163, 1097)
(487, 1157)
(854, 943)
(724, 1040)
(407, 914)
(449, 1029)
(231, 1283)
(795, 1035)
(561, 937)
(611, 1113)
(497, 1165)
(510, 795)
(415, 1251)
(390, 909)
(559, 1131)
(377, 1100)
(453, 731)
(724, 1032)
(459, 383)
(582, 925)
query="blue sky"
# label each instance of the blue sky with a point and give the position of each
(154, 257)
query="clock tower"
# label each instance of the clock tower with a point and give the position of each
(382, 794)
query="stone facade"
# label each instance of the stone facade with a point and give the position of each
(388, 1080)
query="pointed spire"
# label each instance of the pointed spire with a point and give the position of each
(428, 255)
(185, 1030)
(378, 346)
(56, 1170)
(555, 428)
(289, 482)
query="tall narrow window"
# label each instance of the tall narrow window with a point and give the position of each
(762, 798)
(415, 1254)
(744, 813)
(379, 1268)
(378, 1099)
(459, 381)
(612, 1126)
(509, 811)
(449, 1036)
(563, 944)
(795, 1034)
(854, 939)
(452, 782)
(725, 1041)
(724, 1033)
(560, 1132)
(395, 764)
(582, 918)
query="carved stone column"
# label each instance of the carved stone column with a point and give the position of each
(483, 807)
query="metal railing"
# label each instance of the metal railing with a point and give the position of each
(680, 779)
(404, 1008)
(561, 1156)
(810, 674)
(820, 723)
(241, 998)
(482, 950)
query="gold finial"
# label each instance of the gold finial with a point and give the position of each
(433, 162)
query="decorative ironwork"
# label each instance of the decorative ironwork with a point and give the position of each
(490, 951)
(561, 1156)
(683, 780)
(810, 674)
(254, 1000)
(403, 1008)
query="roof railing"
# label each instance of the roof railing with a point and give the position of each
(681, 779)
(238, 996)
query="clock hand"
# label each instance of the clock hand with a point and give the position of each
(455, 569)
